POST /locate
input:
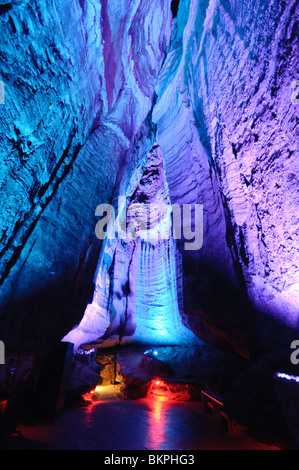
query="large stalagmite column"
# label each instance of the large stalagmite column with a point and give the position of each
(135, 297)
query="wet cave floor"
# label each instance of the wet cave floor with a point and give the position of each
(112, 423)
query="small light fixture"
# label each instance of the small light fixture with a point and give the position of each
(282, 375)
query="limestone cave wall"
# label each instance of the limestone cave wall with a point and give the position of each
(89, 88)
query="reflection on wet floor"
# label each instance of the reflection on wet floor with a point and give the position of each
(111, 423)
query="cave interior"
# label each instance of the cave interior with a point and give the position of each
(149, 210)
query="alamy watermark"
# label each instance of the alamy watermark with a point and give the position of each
(295, 354)
(2, 353)
(151, 222)
(2, 93)
(295, 94)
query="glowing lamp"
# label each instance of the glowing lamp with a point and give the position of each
(293, 378)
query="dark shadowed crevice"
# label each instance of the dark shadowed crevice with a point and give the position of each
(5, 7)
(175, 7)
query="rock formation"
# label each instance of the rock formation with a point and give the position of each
(76, 97)
(94, 89)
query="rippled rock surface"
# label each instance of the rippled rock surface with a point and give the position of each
(227, 122)
(135, 294)
(79, 82)
(90, 88)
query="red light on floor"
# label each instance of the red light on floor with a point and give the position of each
(170, 390)
(88, 396)
(159, 389)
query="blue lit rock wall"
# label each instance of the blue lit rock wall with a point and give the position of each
(76, 93)
(89, 87)
(136, 289)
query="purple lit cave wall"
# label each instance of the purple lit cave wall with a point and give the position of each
(190, 102)
(89, 88)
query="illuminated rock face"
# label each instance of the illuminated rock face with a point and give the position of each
(76, 96)
(102, 83)
(135, 296)
(226, 121)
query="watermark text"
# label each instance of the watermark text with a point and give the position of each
(295, 94)
(2, 353)
(151, 222)
(295, 353)
(2, 92)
